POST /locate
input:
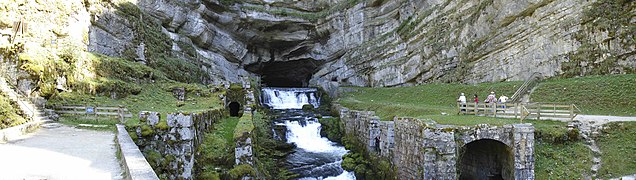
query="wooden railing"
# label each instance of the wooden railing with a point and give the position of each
(521, 110)
(120, 111)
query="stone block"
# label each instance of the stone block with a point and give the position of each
(179, 93)
(172, 120)
(184, 120)
(185, 133)
(152, 118)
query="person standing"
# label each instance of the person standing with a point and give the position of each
(462, 102)
(476, 99)
(502, 100)
(491, 98)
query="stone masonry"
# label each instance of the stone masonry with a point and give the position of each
(425, 150)
(175, 139)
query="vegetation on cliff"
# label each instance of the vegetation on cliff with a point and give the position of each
(10, 115)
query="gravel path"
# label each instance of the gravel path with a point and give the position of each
(57, 151)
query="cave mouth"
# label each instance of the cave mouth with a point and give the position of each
(294, 73)
(234, 109)
(486, 159)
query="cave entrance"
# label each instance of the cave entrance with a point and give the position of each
(486, 159)
(285, 73)
(234, 109)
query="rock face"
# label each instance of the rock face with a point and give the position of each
(330, 43)
(420, 150)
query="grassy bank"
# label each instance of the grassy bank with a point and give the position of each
(153, 97)
(420, 101)
(217, 150)
(562, 161)
(601, 95)
(618, 148)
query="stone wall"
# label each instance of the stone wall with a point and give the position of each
(170, 145)
(421, 149)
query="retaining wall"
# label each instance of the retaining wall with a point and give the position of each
(422, 149)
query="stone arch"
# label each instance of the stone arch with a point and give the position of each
(486, 159)
(234, 108)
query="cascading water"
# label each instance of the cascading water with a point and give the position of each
(315, 157)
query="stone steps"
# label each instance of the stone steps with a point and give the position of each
(32, 112)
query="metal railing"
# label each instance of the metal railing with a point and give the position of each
(532, 81)
(28, 109)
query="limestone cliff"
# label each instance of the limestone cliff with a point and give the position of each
(331, 43)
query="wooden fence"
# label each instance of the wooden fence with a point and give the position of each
(521, 110)
(120, 111)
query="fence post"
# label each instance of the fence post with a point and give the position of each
(516, 108)
(120, 111)
(539, 112)
(494, 109)
(475, 107)
(571, 112)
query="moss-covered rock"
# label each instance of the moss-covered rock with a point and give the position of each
(242, 171)
(147, 131)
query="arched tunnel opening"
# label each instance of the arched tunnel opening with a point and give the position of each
(234, 109)
(285, 73)
(486, 159)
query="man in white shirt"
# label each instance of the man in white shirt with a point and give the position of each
(503, 99)
(462, 102)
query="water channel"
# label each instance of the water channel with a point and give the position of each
(314, 157)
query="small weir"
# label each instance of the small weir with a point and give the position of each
(314, 157)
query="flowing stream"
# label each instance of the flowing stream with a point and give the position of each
(314, 157)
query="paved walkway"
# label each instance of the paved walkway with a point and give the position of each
(600, 120)
(57, 151)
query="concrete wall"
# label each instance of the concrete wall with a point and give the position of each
(175, 139)
(134, 162)
(426, 150)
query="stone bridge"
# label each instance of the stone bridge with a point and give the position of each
(426, 150)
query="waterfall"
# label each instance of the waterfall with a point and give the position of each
(315, 157)
(290, 98)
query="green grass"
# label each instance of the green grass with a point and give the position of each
(75, 120)
(618, 149)
(601, 95)
(217, 148)
(562, 161)
(153, 97)
(226, 128)
(244, 125)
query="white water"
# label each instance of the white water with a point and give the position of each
(304, 131)
(290, 98)
(308, 138)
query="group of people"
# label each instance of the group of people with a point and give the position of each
(492, 98)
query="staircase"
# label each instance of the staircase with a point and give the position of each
(35, 116)
(526, 87)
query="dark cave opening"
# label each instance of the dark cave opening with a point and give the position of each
(486, 159)
(285, 73)
(234, 109)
